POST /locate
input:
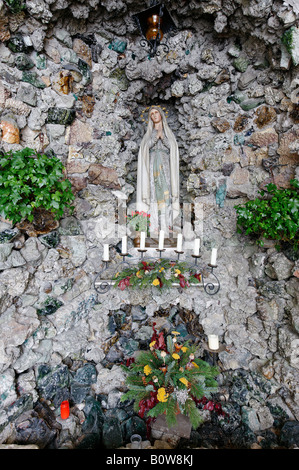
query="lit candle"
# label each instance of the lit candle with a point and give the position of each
(214, 256)
(106, 253)
(179, 242)
(64, 409)
(124, 245)
(196, 246)
(142, 240)
(213, 342)
(161, 240)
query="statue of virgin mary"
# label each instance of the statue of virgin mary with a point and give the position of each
(158, 173)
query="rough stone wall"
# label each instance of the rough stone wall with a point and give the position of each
(75, 81)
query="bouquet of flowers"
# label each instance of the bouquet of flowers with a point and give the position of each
(161, 274)
(139, 221)
(169, 378)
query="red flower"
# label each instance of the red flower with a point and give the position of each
(123, 283)
(209, 406)
(183, 281)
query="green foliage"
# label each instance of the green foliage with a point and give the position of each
(168, 378)
(29, 180)
(15, 6)
(287, 39)
(161, 274)
(275, 217)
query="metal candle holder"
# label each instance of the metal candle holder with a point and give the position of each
(214, 352)
(102, 286)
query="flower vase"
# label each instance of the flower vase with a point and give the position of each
(136, 240)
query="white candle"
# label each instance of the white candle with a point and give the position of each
(142, 240)
(124, 245)
(106, 253)
(196, 246)
(179, 242)
(213, 342)
(214, 256)
(161, 240)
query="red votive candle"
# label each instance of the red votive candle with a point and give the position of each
(64, 409)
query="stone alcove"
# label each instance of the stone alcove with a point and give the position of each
(230, 88)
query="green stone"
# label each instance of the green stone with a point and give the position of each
(239, 139)
(50, 240)
(85, 71)
(112, 434)
(134, 425)
(118, 46)
(8, 235)
(241, 64)
(251, 103)
(33, 79)
(237, 97)
(120, 79)
(51, 381)
(23, 62)
(17, 44)
(220, 195)
(50, 306)
(61, 116)
(41, 61)
(20, 406)
(86, 375)
(94, 417)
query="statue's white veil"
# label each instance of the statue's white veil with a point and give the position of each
(143, 177)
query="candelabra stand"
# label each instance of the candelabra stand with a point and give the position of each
(214, 352)
(210, 287)
(160, 250)
(103, 285)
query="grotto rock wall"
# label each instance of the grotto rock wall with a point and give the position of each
(75, 82)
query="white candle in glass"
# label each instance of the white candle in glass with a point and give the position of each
(179, 242)
(196, 246)
(214, 256)
(142, 240)
(161, 240)
(213, 342)
(124, 245)
(106, 253)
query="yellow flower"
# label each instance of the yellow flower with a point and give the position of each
(138, 274)
(152, 344)
(156, 282)
(176, 356)
(147, 370)
(161, 269)
(194, 363)
(116, 274)
(184, 381)
(177, 271)
(175, 333)
(184, 349)
(162, 395)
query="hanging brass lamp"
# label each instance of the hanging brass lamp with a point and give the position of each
(154, 23)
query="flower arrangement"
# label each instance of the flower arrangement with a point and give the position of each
(139, 221)
(169, 378)
(161, 274)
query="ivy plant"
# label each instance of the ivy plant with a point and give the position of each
(29, 180)
(275, 215)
